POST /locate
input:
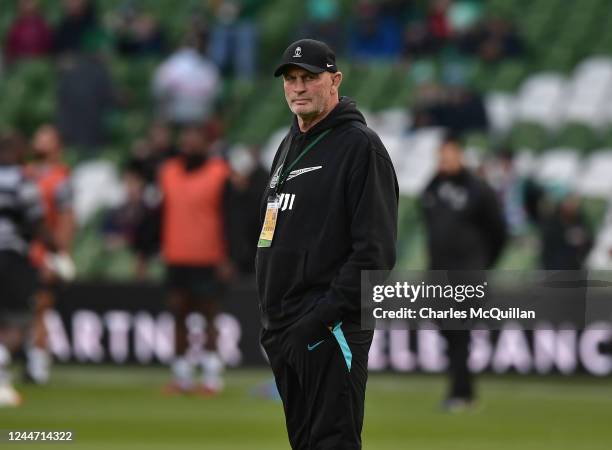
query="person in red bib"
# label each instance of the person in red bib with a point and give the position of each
(195, 253)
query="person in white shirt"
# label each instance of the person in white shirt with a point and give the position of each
(185, 86)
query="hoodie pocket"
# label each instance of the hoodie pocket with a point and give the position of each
(280, 275)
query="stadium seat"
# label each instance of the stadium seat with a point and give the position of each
(579, 136)
(539, 99)
(559, 166)
(395, 145)
(476, 141)
(394, 121)
(599, 257)
(500, 108)
(508, 76)
(269, 148)
(419, 160)
(589, 91)
(528, 136)
(595, 179)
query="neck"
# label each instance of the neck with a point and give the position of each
(49, 161)
(306, 123)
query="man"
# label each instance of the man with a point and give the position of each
(466, 231)
(194, 249)
(29, 36)
(186, 85)
(329, 212)
(53, 179)
(21, 219)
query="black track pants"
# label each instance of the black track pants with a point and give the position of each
(461, 379)
(321, 376)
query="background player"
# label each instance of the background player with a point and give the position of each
(53, 179)
(194, 250)
(21, 219)
(466, 231)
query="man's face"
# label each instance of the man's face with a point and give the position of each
(192, 142)
(309, 94)
(450, 159)
(160, 136)
(27, 7)
(47, 142)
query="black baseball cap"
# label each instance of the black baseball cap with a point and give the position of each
(309, 54)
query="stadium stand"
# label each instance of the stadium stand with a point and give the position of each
(552, 105)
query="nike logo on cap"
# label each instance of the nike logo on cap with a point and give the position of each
(330, 65)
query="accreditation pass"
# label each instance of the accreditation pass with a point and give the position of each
(267, 231)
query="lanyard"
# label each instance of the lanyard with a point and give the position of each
(285, 173)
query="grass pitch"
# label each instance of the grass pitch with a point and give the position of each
(122, 408)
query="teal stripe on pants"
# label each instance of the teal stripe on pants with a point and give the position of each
(346, 350)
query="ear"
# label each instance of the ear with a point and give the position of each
(336, 81)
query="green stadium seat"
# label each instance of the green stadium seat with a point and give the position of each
(529, 136)
(509, 75)
(578, 136)
(479, 140)
(369, 94)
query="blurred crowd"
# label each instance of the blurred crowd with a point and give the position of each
(220, 40)
(400, 29)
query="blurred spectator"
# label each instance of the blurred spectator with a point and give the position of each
(374, 35)
(426, 32)
(195, 252)
(134, 223)
(78, 28)
(418, 41)
(464, 111)
(566, 236)
(186, 86)
(462, 15)
(510, 187)
(493, 40)
(438, 21)
(233, 44)
(85, 93)
(29, 35)
(323, 23)
(455, 107)
(198, 28)
(150, 153)
(241, 202)
(137, 32)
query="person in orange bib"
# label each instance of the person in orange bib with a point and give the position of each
(53, 179)
(195, 253)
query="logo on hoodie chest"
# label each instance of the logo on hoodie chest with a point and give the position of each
(285, 201)
(293, 174)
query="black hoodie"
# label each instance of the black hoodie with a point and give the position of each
(337, 217)
(465, 223)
